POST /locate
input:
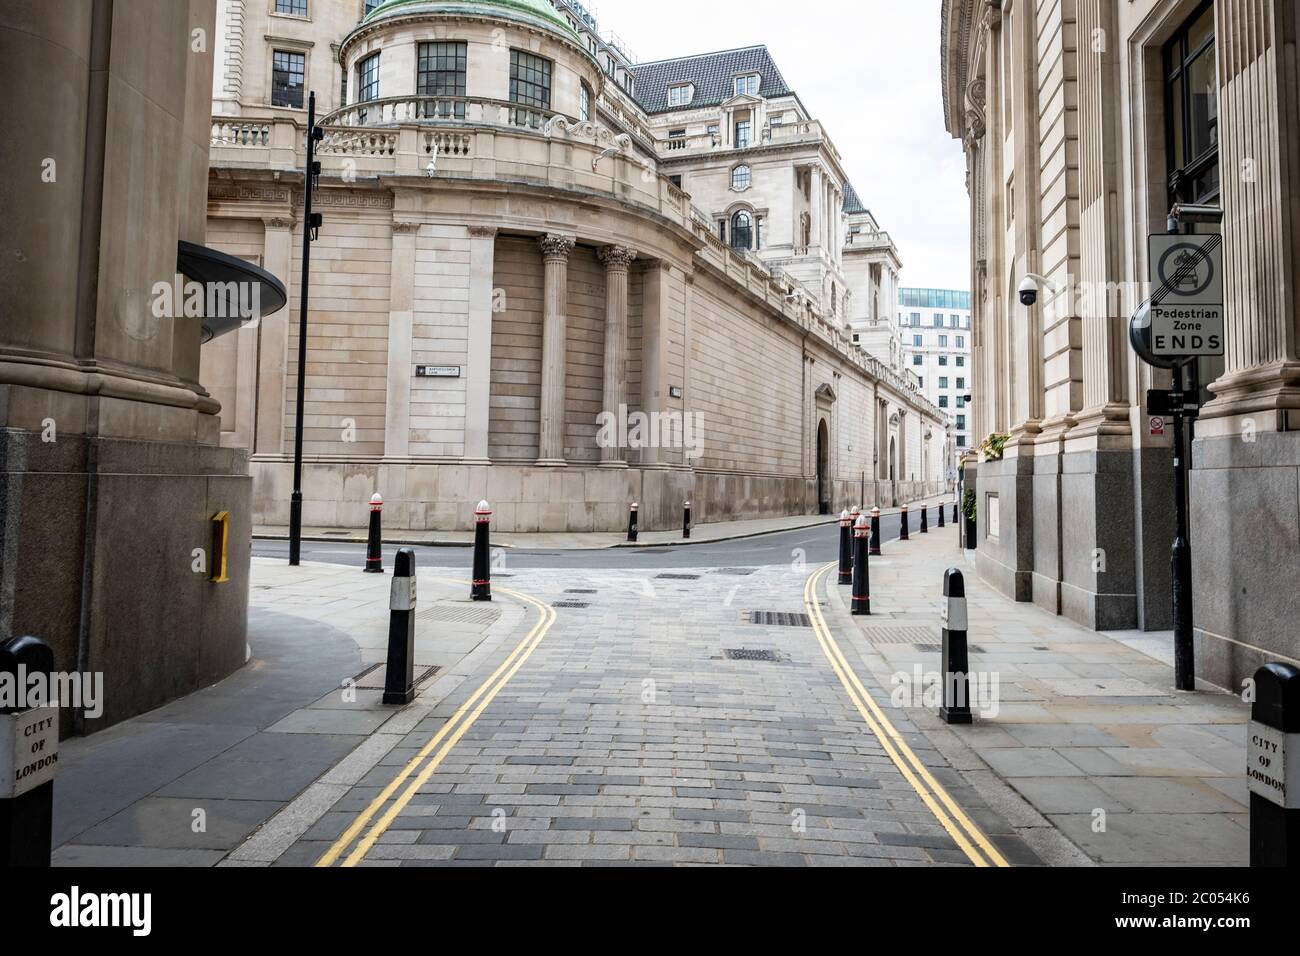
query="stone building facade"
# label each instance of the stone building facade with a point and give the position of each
(1084, 122)
(507, 266)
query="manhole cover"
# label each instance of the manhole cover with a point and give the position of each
(898, 634)
(678, 577)
(575, 605)
(745, 654)
(779, 619)
(459, 614)
(737, 572)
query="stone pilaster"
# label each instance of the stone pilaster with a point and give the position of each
(555, 256)
(478, 371)
(617, 260)
(273, 351)
(401, 319)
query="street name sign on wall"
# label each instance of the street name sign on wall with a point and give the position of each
(1187, 298)
(437, 371)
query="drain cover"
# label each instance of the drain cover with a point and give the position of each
(744, 654)
(779, 619)
(737, 572)
(938, 648)
(899, 634)
(459, 614)
(677, 577)
(575, 605)
(580, 591)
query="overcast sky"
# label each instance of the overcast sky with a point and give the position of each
(868, 69)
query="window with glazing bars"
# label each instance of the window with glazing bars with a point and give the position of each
(368, 79)
(530, 86)
(297, 8)
(441, 74)
(287, 71)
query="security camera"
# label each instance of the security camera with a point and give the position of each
(1031, 285)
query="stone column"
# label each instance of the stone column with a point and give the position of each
(401, 319)
(555, 254)
(478, 372)
(654, 351)
(816, 207)
(273, 354)
(617, 259)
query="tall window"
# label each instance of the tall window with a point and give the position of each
(287, 71)
(741, 177)
(584, 103)
(368, 79)
(530, 87)
(1192, 108)
(917, 340)
(441, 73)
(744, 129)
(742, 230)
(295, 8)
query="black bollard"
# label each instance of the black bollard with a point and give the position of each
(686, 521)
(846, 549)
(956, 657)
(482, 553)
(399, 678)
(1272, 775)
(861, 570)
(904, 535)
(30, 741)
(875, 532)
(955, 519)
(941, 513)
(632, 529)
(375, 544)
(925, 519)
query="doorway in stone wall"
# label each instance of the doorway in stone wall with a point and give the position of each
(823, 468)
(893, 459)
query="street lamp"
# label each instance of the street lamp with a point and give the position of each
(311, 224)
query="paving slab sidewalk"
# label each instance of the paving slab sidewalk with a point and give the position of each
(710, 533)
(188, 783)
(1088, 736)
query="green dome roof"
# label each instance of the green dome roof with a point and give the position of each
(525, 9)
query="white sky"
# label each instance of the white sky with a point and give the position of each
(869, 70)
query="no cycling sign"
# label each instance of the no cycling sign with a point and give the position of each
(1187, 301)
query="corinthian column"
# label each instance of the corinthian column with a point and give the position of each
(617, 259)
(555, 253)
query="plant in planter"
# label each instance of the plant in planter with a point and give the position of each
(993, 447)
(970, 511)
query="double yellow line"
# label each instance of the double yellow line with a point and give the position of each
(436, 750)
(960, 827)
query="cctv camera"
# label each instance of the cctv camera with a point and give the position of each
(1028, 292)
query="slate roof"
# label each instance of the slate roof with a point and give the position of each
(712, 74)
(852, 204)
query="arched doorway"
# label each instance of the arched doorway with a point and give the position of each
(893, 458)
(823, 468)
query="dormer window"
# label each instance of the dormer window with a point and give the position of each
(681, 95)
(747, 85)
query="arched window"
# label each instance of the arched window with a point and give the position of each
(741, 177)
(742, 230)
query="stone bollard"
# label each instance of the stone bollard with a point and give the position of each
(846, 549)
(904, 535)
(875, 532)
(375, 543)
(686, 521)
(399, 678)
(29, 756)
(925, 518)
(632, 530)
(1273, 767)
(861, 569)
(482, 590)
(956, 656)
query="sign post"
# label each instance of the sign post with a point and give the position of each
(29, 757)
(1273, 767)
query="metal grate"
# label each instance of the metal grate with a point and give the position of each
(898, 634)
(373, 678)
(938, 648)
(573, 605)
(737, 572)
(779, 619)
(677, 577)
(581, 591)
(745, 654)
(459, 614)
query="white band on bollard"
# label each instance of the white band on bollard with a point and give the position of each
(403, 594)
(953, 615)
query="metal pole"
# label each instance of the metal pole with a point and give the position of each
(1184, 662)
(295, 503)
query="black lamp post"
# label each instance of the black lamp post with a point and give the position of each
(311, 223)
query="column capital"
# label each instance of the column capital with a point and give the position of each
(482, 232)
(278, 222)
(403, 228)
(557, 248)
(617, 257)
